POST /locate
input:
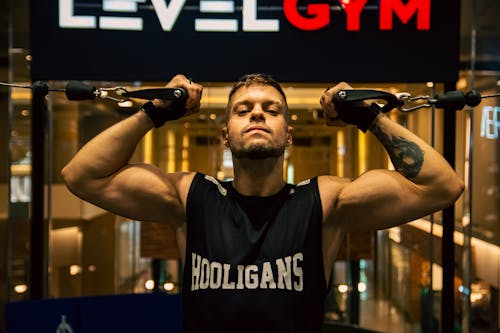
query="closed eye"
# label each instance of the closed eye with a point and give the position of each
(242, 112)
(273, 112)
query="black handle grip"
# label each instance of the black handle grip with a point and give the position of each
(456, 100)
(355, 96)
(171, 94)
(78, 91)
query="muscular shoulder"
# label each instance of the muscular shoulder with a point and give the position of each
(181, 181)
(329, 190)
(329, 184)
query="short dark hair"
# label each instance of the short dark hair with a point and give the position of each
(248, 80)
(257, 79)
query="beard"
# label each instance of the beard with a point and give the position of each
(257, 151)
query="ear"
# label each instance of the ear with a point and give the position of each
(289, 139)
(225, 136)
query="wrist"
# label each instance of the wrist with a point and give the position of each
(160, 115)
(154, 113)
(359, 114)
(376, 121)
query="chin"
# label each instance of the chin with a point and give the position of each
(258, 152)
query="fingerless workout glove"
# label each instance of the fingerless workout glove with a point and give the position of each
(357, 113)
(160, 115)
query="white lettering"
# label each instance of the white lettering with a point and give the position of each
(240, 284)
(226, 284)
(250, 21)
(68, 19)
(251, 280)
(195, 272)
(215, 275)
(168, 14)
(297, 271)
(267, 279)
(284, 273)
(120, 23)
(216, 25)
(490, 122)
(212, 6)
(120, 5)
(205, 274)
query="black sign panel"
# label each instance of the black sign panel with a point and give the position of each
(219, 40)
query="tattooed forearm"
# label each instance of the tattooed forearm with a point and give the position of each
(406, 156)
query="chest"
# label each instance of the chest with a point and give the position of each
(233, 234)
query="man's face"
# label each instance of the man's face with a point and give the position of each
(257, 126)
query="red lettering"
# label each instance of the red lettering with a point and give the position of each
(353, 10)
(421, 7)
(320, 15)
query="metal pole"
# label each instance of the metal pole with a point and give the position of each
(38, 230)
(8, 230)
(354, 297)
(448, 251)
(430, 300)
(467, 222)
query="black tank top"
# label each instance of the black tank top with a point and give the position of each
(253, 264)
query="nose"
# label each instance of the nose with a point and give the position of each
(257, 113)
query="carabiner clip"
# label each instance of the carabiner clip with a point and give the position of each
(405, 99)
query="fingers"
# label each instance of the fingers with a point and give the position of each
(331, 116)
(327, 96)
(193, 90)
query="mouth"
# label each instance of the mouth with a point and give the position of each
(256, 128)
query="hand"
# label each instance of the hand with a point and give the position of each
(331, 116)
(193, 90)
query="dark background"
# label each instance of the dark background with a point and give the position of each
(330, 54)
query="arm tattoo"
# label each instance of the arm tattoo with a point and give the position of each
(406, 156)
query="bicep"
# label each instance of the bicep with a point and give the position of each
(141, 192)
(380, 199)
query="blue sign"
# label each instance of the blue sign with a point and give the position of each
(101, 314)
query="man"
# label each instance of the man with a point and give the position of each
(258, 251)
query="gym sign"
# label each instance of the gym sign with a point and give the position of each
(219, 40)
(490, 122)
(317, 15)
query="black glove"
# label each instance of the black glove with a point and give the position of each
(357, 113)
(160, 115)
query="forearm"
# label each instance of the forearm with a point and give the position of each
(109, 151)
(413, 157)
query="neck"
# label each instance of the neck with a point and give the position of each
(261, 177)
